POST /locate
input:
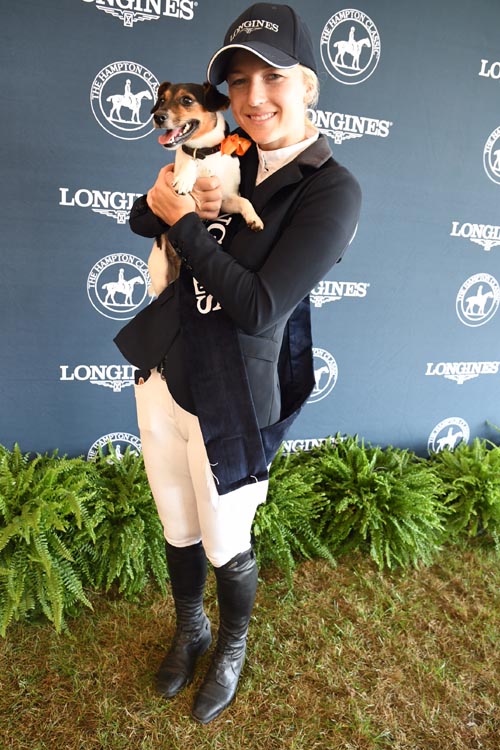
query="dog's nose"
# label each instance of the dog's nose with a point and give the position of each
(159, 119)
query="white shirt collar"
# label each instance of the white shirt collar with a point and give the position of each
(271, 161)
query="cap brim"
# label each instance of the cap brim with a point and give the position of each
(217, 67)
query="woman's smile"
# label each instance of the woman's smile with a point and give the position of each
(268, 103)
(261, 118)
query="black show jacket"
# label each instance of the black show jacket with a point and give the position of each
(261, 280)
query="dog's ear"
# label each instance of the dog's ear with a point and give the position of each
(214, 100)
(159, 96)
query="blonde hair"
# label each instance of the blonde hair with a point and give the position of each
(312, 82)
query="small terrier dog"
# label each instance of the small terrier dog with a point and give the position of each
(195, 128)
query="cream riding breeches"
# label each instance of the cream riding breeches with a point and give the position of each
(182, 482)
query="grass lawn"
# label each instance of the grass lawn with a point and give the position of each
(356, 659)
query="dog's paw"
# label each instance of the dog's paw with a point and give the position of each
(256, 225)
(182, 186)
(252, 219)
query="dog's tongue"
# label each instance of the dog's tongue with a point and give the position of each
(169, 136)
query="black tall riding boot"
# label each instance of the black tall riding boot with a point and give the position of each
(236, 588)
(188, 571)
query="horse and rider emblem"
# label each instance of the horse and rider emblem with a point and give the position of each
(122, 287)
(448, 434)
(121, 97)
(478, 299)
(350, 46)
(325, 374)
(117, 286)
(491, 156)
(129, 101)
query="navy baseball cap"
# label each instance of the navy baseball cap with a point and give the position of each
(275, 33)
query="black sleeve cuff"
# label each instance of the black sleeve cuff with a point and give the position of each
(143, 221)
(183, 235)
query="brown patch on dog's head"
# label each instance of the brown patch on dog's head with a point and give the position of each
(163, 87)
(186, 109)
(207, 95)
(214, 100)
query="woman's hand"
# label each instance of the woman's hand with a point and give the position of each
(207, 194)
(163, 201)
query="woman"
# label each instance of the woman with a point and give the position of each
(231, 337)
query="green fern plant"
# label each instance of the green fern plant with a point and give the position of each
(284, 525)
(127, 544)
(41, 499)
(471, 489)
(383, 501)
(68, 526)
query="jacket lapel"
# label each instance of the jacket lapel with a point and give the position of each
(310, 159)
(288, 175)
(249, 164)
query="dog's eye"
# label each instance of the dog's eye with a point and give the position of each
(186, 101)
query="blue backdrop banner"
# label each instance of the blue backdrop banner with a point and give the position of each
(406, 328)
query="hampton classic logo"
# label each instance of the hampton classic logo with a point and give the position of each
(114, 204)
(478, 299)
(325, 375)
(462, 371)
(119, 441)
(341, 127)
(487, 235)
(332, 291)
(447, 434)
(131, 11)
(491, 156)
(350, 46)
(121, 98)
(117, 285)
(116, 377)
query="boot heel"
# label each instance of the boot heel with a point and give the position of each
(177, 668)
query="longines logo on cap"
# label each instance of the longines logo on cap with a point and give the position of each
(491, 156)
(120, 441)
(487, 235)
(117, 285)
(448, 434)
(332, 291)
(350, 46)
(460, 372)
(341, 127)
(116, 205)
(247, 27)
(116, 377)
(131, 11)
(121, 98)
(478, 299)
(325, 375)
